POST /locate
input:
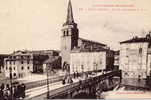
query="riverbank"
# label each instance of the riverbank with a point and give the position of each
(122, 92)
(129, 88)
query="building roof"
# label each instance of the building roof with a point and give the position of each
(3, 56)
(136, 40)
(44, 51)
(19, 52)
(51, 60)
(91, 48)
(117, 52)
(81, 50)
(86, 40)
(27, 52)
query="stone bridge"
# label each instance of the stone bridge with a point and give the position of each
(93, 85)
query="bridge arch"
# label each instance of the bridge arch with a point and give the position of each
(84, 95)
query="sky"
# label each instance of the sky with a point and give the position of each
(36, 24)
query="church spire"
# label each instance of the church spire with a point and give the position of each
(70, 19)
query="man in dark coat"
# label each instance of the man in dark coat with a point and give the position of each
(2, 86)
(23, 88)
(1, 95)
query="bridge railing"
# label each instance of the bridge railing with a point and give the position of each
(82, 83)
(43, 82)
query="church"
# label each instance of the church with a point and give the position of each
(71, 44)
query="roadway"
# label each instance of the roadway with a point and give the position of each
(37, 91)
(40, 92)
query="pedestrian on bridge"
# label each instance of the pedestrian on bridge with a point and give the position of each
(63, 81)
(77, 74)
(14, 91)
(7, 87)
(74, 75)
(1, 95)
(2, 86)
(23, 88)
(18, 91)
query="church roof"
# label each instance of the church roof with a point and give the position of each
(86, 40)
(83, 50)
(136, 40)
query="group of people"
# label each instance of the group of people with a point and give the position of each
(68, 78)
(76, 75)
(16, 91)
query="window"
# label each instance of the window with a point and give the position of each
(140, 51)
(67, 33)
(14, 74)
(64, 33)
(28, 67)
(21, 57)
(14, 68)
(127, 52)
(22, 68)
(10, 68)
(27, 61)
(14, 62)
(22, 62)
(6, 67)
(28, 57)
(10, 62)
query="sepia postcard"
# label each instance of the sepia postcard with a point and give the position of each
(75, 49)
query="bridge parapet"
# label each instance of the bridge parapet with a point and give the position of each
(91, 83)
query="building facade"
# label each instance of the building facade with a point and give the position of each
(116, 59)
(19, 63)
(54, 62)
(70, 39)
(91, 61)
(70, 35)
(23, 63)
(135, 59)
(2, 57)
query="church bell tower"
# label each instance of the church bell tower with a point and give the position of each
(70, 35)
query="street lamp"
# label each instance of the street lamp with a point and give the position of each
(82, 68)
(47, 66)
(94, 67)
(11, 90)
